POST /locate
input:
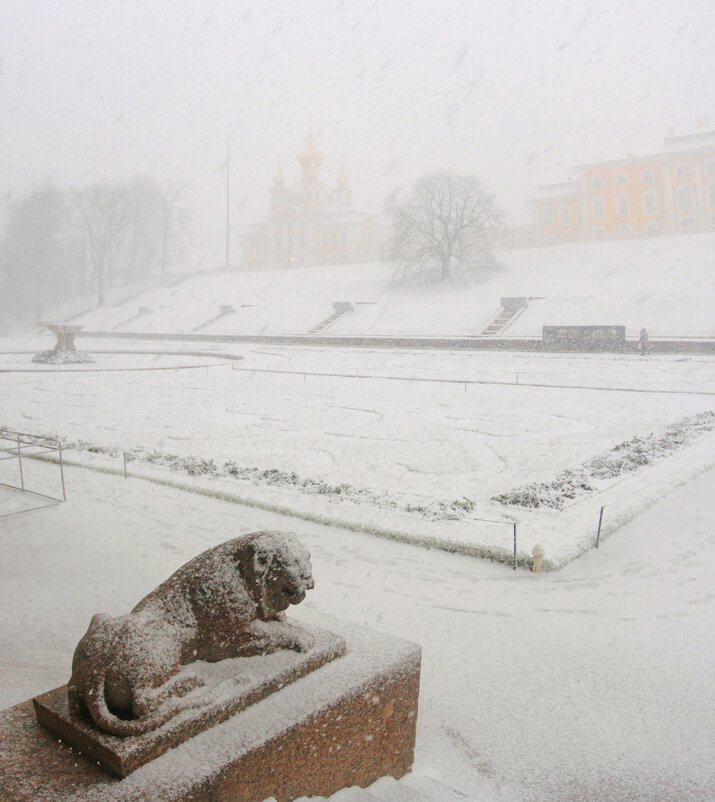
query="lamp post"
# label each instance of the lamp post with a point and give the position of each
(228, 196)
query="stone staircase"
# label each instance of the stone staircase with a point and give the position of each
(340, 309)
(143, 310)
(511, 308)
(411, 788)
(224, 311)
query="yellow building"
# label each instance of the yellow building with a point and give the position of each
(310, 223)
(672, 192)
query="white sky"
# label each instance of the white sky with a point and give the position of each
(511, 91)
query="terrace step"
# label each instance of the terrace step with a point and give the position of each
(224, 311)
(341, 309)
(143, 310)
(511, 309)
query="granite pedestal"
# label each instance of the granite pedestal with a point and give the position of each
(349, 722)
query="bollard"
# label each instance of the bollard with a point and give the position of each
(124, 455)
(62, 471)
(19, 462)
(600, 521)
(538, 552)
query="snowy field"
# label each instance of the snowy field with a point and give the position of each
(413, 436)
(663, 283)
(593, 684)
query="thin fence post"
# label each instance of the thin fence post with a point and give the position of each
(517, 378)
(19, 462)
(600, 521)
(62, 471)
(515, 545)
(124, 457)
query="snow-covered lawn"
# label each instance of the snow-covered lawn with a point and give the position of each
(593, 684)
(108, 361)
(420, 451)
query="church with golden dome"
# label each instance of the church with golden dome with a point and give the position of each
(311, 223)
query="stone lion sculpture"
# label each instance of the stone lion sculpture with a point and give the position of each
(227, 602)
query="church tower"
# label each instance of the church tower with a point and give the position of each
(310, 223)
(310, 160)
(344, 193)
(279, 193)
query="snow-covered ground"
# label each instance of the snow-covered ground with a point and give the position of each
(593, 684)
(590, 683)
(414, 444)
(663, 283)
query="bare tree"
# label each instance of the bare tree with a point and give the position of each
(143, 234)
(103, 214)
(174, 222)
(446, 226)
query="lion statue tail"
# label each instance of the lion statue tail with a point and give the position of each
(96, 703)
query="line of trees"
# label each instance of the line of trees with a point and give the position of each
(58, 245)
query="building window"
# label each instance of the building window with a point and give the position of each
(711, 193)
(578, 214)
(683, 171)
(687, 223)
(549, 238)
(548, 215)
(647, 177)
(598, 232)
(565, 237)
(597, 206)
(623, 203)
(649, 202)
(565, 214)
(625, 229)
(596, 182)
(652, 229)
(686, 199)
(621, 180)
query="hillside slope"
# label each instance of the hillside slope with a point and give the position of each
(666, 284)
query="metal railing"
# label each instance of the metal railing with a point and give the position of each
(19, 446)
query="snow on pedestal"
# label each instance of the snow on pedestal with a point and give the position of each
(65, 350)
(348, 723)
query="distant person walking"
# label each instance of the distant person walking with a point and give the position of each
(643, 342)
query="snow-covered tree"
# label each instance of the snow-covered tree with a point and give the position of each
(174, 223)
(103, 215)
(444, 228)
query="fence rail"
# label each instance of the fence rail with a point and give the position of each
(19, 445)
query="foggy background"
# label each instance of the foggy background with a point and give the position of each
(513, 92)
